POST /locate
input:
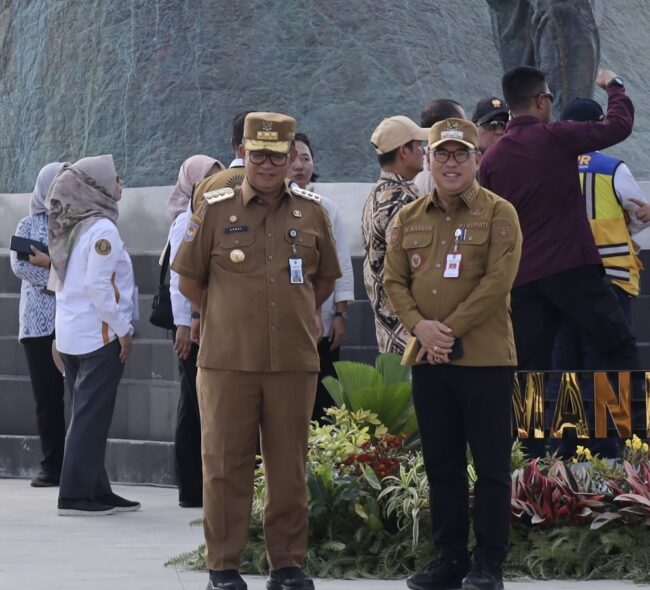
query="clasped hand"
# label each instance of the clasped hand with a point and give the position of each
(436, 341)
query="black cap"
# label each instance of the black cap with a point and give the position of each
(582, 109)
(488, 108)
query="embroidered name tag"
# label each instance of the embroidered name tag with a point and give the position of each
(233, 229)
(413, 228)
(474, 225)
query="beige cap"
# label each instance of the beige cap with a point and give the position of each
(394, 132)
(459, 130)
(273, 132)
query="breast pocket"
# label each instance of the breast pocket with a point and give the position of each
(235, 252)
(474, 249)
(418, 249)
(306, 249)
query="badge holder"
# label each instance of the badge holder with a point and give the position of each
(295, 262)
(454, 259)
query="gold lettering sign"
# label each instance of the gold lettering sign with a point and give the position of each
(529, 409)
(647, 405)
(619, 409)
(569, 410)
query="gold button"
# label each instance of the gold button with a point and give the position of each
(272, 280)
(415, 242)
(270, 257)
(273, 328)
(435, 291)
(237, 256)
(447, 218)
(470, 238)
(443, 242)
(438, 265)
(236, 241)
(272, 303)
(269, 234)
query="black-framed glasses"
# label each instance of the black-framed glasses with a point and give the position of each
(258, 157)
(494, 125)
(461, 156)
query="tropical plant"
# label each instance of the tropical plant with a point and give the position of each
(384, 389)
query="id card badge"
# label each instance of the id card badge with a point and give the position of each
(452, 268)
(295, 271)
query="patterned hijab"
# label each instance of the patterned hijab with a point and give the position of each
(81, 194)
(193, 170)
(43, 182)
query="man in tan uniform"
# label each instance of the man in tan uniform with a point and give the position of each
(451, 261)
(265, 257)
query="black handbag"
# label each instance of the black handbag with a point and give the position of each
(161, 307)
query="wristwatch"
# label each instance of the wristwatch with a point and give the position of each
(341, 314)
(195, 315)
(616, 82)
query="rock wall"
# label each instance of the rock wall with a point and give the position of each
(154, 81)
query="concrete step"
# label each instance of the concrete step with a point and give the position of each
(145, 410)
(127, 461)
(147, 273)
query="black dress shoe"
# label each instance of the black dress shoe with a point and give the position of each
(442, 574)
(120, 504)
(190, 503)
(289, 578)
(484, 576)
(46, 479)
(226, 580)
(83, 507)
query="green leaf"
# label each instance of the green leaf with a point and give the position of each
(371, 477)
(335, 389)
(391, 370)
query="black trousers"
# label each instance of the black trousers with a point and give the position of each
(327, 359)
(187, 438)
(91, 380)
(47, 387)
(580, 296)
(456, 406)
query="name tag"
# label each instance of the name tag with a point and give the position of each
(452, 268)
(233, 229)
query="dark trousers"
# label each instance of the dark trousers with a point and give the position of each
(573, 351)
(581, 297)
(327, 359)
(47, 387)
(91, 380)
(456, 406)
(187, 438)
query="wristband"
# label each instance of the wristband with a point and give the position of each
(195, 315)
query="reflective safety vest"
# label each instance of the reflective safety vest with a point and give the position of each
(608, 220)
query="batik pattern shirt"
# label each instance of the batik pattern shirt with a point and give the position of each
(386, 199)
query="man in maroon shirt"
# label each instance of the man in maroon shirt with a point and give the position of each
(560, 275)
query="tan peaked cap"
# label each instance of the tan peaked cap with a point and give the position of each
(459, 130)
(273, 132)
(394, 132)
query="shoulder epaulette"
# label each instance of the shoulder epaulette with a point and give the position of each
(218, 195)
(305, 194)
(230, 178)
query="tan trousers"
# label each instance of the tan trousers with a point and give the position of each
(235, 406)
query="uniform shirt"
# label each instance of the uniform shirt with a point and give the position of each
(534, 167)
(387, 197)
(344, 286)
(95, 303)
(476, 305)
(37, 304)
(253, 318)
(181, 307)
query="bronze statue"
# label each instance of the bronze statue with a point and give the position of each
(559, 37)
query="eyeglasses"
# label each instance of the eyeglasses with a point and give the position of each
(258, 157)
(494, 125)
(548, 95)
(461, 156)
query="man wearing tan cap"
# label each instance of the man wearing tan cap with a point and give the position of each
(258, 260)
(397, 141)
(452, 258)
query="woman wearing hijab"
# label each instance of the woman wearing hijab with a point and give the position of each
(187, 441)
(93, 279)
(36, 332)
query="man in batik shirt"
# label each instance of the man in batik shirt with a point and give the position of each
(397, 141)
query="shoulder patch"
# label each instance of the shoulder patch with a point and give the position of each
(503, 230)
(103, 247)
(221, 194)
(305, 194)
